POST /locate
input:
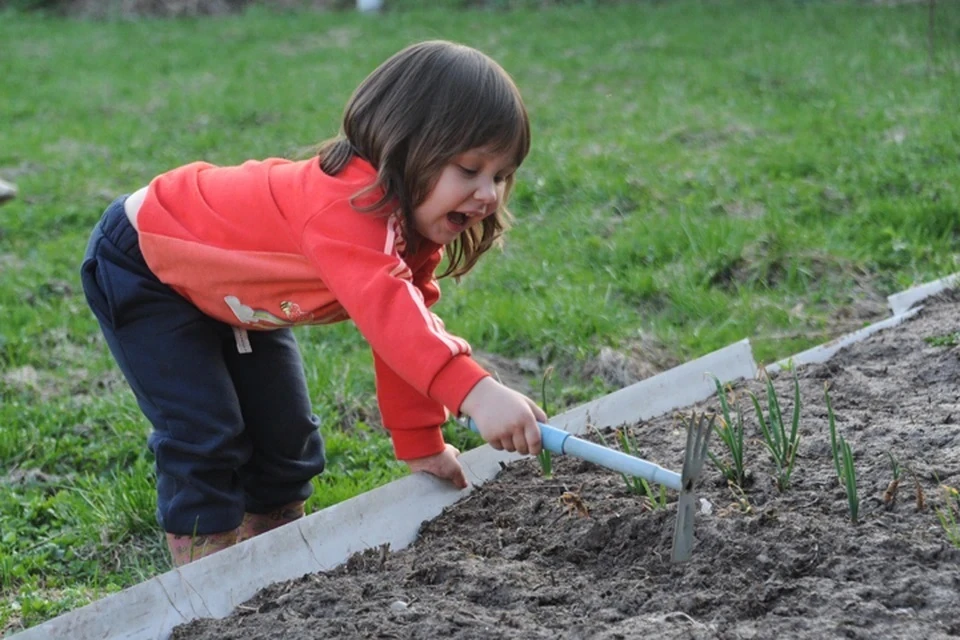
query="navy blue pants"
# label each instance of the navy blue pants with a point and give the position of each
(232, 432)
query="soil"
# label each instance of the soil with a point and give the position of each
(515, 559)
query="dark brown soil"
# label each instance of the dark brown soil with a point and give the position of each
(513, 560)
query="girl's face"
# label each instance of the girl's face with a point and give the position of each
(469, 189)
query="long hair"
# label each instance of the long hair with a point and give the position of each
(425, 105)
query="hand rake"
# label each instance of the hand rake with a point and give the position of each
(698, 430)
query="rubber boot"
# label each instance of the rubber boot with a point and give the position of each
(187, 548)
(256, 523)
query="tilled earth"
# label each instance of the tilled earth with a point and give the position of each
(580, 556)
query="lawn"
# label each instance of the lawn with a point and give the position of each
(702, 172)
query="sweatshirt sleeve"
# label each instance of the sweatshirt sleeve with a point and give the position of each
(422, 371)
(425, 280)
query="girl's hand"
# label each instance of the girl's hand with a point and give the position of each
(505, 419)
(444, 465)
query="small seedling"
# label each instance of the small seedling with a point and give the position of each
(545, 456)
(949, 516)
(731, 434)
(832, 422)
(654, 499)
(638, 486)
(849, 480)
(783, 447)
(843, 461)
(890, 495)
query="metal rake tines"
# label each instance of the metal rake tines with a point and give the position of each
(698, 440)
(699, 428)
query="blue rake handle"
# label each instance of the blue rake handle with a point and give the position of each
(561, 442)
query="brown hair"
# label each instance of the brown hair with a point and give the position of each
(426, 104)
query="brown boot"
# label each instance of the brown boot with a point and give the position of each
(256, 523)
(187, 548)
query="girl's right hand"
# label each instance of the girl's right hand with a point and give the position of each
(505, 418)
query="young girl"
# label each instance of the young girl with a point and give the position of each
(196, 279)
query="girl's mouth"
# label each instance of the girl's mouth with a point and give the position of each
(457, 219)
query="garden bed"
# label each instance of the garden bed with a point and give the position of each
(579, 556)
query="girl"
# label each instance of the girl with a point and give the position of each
(196, 279)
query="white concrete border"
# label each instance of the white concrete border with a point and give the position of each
(681, 386)
(827, 350)
(900, 302)
(393, 514)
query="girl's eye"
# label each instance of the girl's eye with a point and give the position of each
(500, 179)
(466, 171)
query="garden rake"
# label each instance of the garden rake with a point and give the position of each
(698, 430)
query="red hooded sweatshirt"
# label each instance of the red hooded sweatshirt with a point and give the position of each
(276, 243)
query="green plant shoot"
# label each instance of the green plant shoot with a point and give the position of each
(850, 480)
(656, 499)
(545, 456)
(894, 466)
(949, 516)
(731, 434)
(843, 461)
(783, 447)
(637, 486)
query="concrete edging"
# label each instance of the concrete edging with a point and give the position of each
(827, 350)
(392, 514)
(900, 302)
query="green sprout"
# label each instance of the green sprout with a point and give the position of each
(731, 434)
(640, 486)
(894, 466)
(783, 447)
(545, 457)
(850, 480)
(949, 516)
(843, 461)
(654, 499)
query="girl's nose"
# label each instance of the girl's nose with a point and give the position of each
(486, 192)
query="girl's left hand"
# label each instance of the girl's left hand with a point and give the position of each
(443, 465)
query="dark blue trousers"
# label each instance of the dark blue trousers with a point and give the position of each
(232, 432)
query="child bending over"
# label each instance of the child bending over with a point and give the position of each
(197, 278)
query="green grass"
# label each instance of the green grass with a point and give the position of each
(702, 172)
(946, 340)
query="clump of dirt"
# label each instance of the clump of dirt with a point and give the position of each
(517, 558)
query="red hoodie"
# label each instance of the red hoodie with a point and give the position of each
(276, 243)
